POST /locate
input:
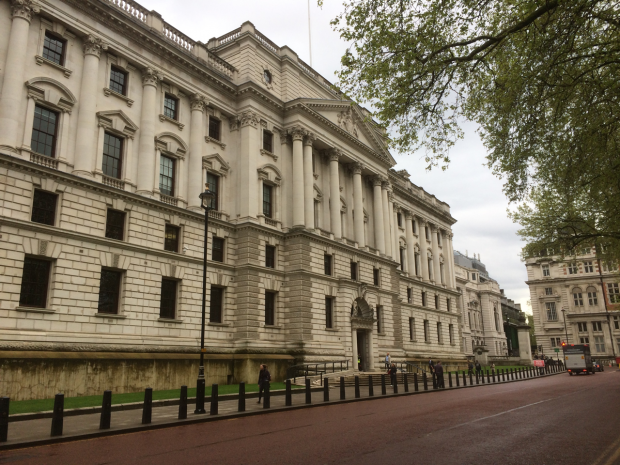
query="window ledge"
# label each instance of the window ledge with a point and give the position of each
(163, 118)
(218, 324)
(107, 92)
(215, 141)
(381, 334)
(269, 154)
(40, 61)
(333, 330)
(272, 326)
(110, 315)
(169, 320)
(34, 310)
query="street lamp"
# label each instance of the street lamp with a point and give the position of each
(565, 328)
(205, 203)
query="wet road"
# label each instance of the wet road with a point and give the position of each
(554, 420)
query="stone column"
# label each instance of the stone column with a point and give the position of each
(423, 251)
(86, 140)
(299, 219)
(386, 219)
(358, 203)
(334, 193)
(393, 226)
(248, 166)
(146, 153)
(27, 138)
(410, 246)
(308, 182)
(371, 351)
(354, 340)
(378, 214)
(14, 69)
(195, 181)
(435, 246)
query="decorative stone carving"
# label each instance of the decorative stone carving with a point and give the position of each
(249, 118)
(24, 9)
(197, 102)
(377, 181)
(150, 77)
(297, 132)
(309, 139)
(346, 122)
(335, 154)
(93, 46)
(283, 135)
(357, 167)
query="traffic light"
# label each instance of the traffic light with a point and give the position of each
(563, 344)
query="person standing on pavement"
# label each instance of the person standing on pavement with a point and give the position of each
(263, 379)
(439, 375)
(387, 361)
(478, 368)
(431, 365)
(470, 367)
(392, 372)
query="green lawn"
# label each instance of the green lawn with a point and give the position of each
(42, 405)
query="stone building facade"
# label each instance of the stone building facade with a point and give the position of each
(575, 299)
(111, 123)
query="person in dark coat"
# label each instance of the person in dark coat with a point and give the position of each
(264, 377)
(392, 372)
(431, 365)
(439, 375)
(470, 367)
(478, 368)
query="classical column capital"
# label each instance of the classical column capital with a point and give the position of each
(408, 215)
(150, 77)
(309, 139)
(377, 181)
(386, 185)
(335, 154)
(93, 46)
(283, 135)
(197, 102)
(390, 196)
(297, 133)
(357, 167)
(249, 118)
(24, 9)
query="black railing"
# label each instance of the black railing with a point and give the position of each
(316, 369)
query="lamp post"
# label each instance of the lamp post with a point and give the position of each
(205, 198)
(565, 327)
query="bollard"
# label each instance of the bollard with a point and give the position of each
(450, 378)
(267, 401)
(214, 399)
(182, 403)
(456, 376)
(434, 381)
(288, 398)
(395, 386)
(147, 406)
(342, 393)
(464, 379)
(415, 382)
(477, 378)
(503, 375)
(493, 376)
(425, 381)
(200, 396)
(308, 392)
(106, 410)
(357, 387)
(406, 381)
(4, 418)
(326, 390)
(371, 388)
(241, 406)
(383, 391)
(57, 420)
(488, 377)
(482, 377)
(471, 380)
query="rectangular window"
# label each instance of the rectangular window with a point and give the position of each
(171, 107)
(578, 299)
(267, 200)
(592, 300)
(54, 48)
(553, 343)
(414, 227)
(412, 329)
(548, 291)
(168, 303)
(586, 250)
(423, 299)
(327, 263)
(118, 80)
(416, 263)
(35, 281)
(44, 131)
(215, 304)
(426, 335)
(267, 141)
(379, 319)
(166, 175)
(437, 302)
(375, 276)
(616, 323)
(551, 312)
(270, 256)
(451, 333)
(572, 268)
(439, 335)
(171, 239)
(399, 219)
(213, 182)
(270, 308)
(613, 292)
(584, 340)
(599, 342)
(449, 304)
(112, 156)
(545, 270)
(427, 233)
(115, 225)
(402, 259)
(217, 250)
(596, 326)
(44, 207)
(583, 327)
(588, 267)
(214, 128)
(329, 308)
(354, 271)
(409, 290)
(109, 291)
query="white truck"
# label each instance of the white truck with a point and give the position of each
(577, 359)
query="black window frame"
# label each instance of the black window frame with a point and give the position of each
(268, 141)
(329, 312)
(402, 258)
(111, 226)
(115, 85)
(270, 256)
(411, 328)
(426, 331)
(168, 303)
(213, 182)
(328, 264)
(171, 244)
(36, 274)
(112, 171)
(114, 277)
(423, 298)
(165, 175)
(268, 204)
(436, 302)
(172, 113)
(42, 119)
(215, 128)
(376, 276)
(409, 295)
(399, 219)
(270, 308)
(216, 304)
(40, 214)
(217, 252)
(48, 52)
(379, 310)
(354, 271)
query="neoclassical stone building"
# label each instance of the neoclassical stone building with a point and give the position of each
(111, 123)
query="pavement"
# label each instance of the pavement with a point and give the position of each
(555, 419)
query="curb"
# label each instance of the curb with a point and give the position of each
(207, 419)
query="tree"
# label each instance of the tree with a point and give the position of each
(540, 77)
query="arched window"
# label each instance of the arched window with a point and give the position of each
(592, 299)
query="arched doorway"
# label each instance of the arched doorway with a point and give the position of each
(362, 324)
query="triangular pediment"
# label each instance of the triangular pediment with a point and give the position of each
(118, 121)
(216, 163)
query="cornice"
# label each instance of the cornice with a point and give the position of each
(422, 204)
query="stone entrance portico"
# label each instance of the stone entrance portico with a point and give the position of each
(362, 323)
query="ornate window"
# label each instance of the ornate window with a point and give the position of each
(54, 48)
(112, 156)
(109, 291)
(115, 225)
(168, 303)
(399, 219)
(548, 291)
(44, 207)
(572, 268)
(270, 256)
(35, 281)
(215, 126)
(213, 182)
(118, 80)
(166, 175)
(592, 299)
(216, 304)
(545, 270)
(44, 131)
(217, 249)
(270, 308)
(267, 141)
(268, 201)
(577, 297)
(588, 267)
(171, 106)
(171, 240)
(552, 314)
(327, 262)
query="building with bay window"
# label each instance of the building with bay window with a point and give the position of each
(111, 124)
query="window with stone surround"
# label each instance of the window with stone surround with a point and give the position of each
(597, 326)
(439, 333)
(416, 260)
(109, 291)
(35, 283)
(548, 291)
(270, 256)
(171, 239)
(402, 258)
(599, 343)
(437, 302)
(376, 276)
(216, 301)
(423, 298)
(327, 264)
(588, 267)
(44, 131)
(354, 271)
(409, 292)
(414, 226)
(572, 268)
(613, 292)
(584, 340)
(171, 106)
(411, 329)
(270, 308)
(552, 314)
(592, 299)
(329, 312)
(112, 156)
(167, 170)
(44, 207)
(582, 327)
(380, 328)
(118, 80)
(426, 331)
(268, 200)
(215, 126)
(213, 183)
(217, 249)
(451, 333)
(168, 302)
(545, 270)
(577, 297)
(449, 304)
(54, 48)
(556, 342)
(427, 233)
(115, 225)
(267, 141)
(399, 219)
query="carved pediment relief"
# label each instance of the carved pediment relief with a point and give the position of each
(52, 92)
(216, 163)
(347, 122)
(170, 144)
(270, 173)
(117, 121)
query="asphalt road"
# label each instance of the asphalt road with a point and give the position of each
(555, 420)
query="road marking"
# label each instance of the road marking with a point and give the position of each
(615, 445)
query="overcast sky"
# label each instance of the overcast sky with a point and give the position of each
(473, 193)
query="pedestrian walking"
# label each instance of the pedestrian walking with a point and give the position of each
(392, 372)
(470, 367)
(439, 375)
(387, 361)
(431, 365)
(478, 368)
(263, 378)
